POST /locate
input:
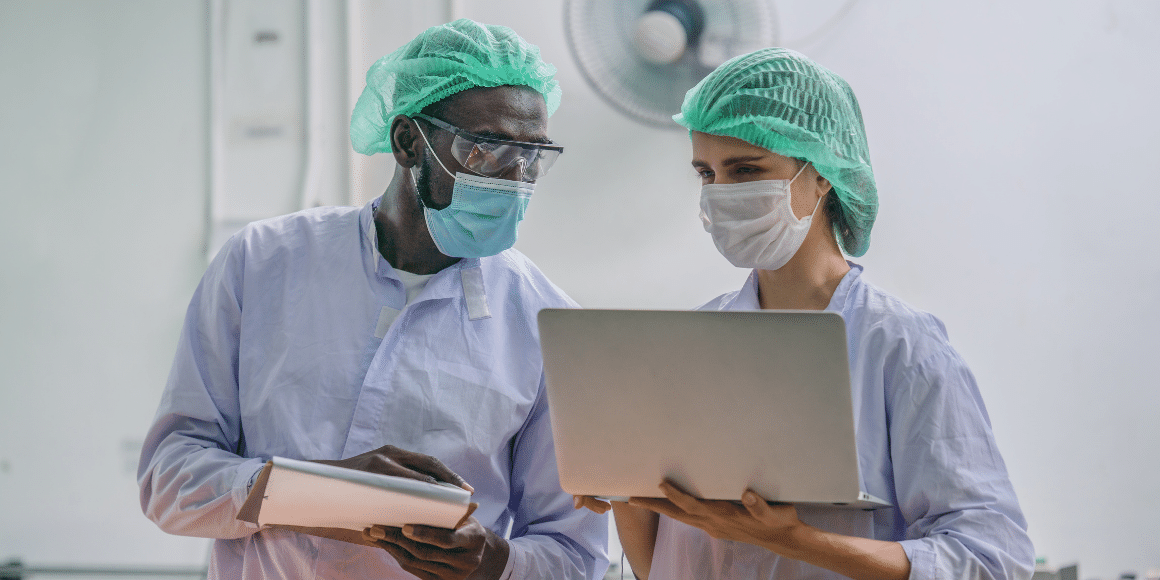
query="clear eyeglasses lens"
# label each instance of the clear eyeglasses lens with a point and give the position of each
(498, 159)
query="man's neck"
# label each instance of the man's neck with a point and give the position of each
(401, 230)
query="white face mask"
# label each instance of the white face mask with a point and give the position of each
(752, 223)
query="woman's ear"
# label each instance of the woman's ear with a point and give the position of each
(405, 141)
(824, 186)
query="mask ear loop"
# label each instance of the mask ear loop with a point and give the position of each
(414, 179)
(820, 198)
(795, 176)
(432, 150)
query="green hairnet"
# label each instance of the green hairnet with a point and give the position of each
(780, 100)
(441, 61)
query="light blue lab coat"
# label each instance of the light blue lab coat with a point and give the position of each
(279, 356)
(924, 444)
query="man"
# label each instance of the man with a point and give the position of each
(399, 338)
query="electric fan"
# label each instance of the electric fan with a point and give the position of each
(643, 55)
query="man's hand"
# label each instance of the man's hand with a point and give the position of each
(470, 551)
(390, 460)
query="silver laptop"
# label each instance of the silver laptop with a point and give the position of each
(717, 402)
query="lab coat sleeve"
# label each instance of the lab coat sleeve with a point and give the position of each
(549, 538)
(192, 480)
(963, 520)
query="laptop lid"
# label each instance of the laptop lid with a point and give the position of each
(715, 401)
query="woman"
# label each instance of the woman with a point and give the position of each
(787, 186)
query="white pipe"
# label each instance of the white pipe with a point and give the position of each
(454, 10)
(323, 181)
(217, 131)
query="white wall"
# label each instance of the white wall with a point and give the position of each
(1011, 141)
(103, 144)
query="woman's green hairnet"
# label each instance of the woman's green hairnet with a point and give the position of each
(441, 61)
(780, 100)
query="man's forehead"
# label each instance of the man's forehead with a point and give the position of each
(510, 112)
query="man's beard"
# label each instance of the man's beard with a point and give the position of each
(423, 184)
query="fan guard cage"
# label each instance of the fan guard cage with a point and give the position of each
(600, 32)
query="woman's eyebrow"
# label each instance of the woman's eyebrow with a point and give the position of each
(743, 159)
(731, 160)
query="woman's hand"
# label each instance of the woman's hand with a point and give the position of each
(755, 522)
(778, 529)
(586, 501)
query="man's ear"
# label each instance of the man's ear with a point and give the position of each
(405, 141)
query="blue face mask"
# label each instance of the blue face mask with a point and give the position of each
(483, 218)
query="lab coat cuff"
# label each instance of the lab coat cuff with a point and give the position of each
(517, 562)
(243, 481)
(923, 560)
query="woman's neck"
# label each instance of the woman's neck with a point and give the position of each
(809, 279)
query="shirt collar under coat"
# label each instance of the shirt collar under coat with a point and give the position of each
(463, 279)
(746, 297)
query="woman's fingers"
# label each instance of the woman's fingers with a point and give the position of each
(587, 501)
(659, 505)
(683, 500)
(666, 507)
(757, 507)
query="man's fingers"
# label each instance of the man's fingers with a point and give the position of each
(411, 473)
(417, 550)
(391, 460)
(378, 532)
(387, 465)
(434, 467)
(417, 566)
(439, 537)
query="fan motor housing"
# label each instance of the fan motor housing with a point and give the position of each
(642, 56)
(687, 12)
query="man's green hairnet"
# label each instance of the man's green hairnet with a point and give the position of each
(780, 100)
(441, 61)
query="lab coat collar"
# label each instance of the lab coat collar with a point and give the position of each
(746, 297)
(463, 279)
(842, 292)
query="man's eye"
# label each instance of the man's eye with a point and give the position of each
(705, 173)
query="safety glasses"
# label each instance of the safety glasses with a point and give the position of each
(491, 157)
